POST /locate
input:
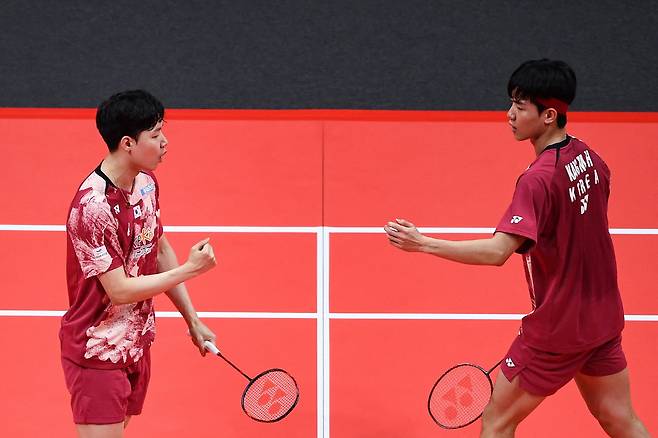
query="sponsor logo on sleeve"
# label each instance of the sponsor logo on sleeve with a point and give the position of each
(516, 219)
(147, 189)
(100, 252)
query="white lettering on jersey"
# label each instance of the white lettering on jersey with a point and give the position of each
(583, 204)
(572, 193)
(577, 172)
(588, 159)
(578, 166)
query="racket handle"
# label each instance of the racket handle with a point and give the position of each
(211, 347)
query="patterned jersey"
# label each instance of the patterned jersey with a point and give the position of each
(560, 205)
(108, 228)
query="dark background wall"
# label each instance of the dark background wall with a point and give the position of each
(414, 54)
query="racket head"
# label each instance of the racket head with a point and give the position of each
(270, 396)
(459, 396)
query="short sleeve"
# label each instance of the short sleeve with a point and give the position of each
(157, 206)
(156, 193)
(526, 210)
(93, 233)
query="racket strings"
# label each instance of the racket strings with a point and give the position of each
(460, 396)
(270, 396)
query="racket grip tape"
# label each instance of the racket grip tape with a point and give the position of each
(211, 347)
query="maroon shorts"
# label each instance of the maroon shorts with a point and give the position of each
(107, 396)
(543, 373)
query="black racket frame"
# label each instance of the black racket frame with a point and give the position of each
(251, 382)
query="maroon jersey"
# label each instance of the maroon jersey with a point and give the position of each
(560, 205)
(109, 228)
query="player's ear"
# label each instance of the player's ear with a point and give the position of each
(549, 116)
(126, 143)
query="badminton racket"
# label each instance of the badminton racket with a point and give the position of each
(269, 396)
(459, 396)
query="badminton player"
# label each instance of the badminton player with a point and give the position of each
(557, 221)
(117, 260)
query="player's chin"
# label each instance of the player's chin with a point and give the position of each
(153, 165)
(519, 136)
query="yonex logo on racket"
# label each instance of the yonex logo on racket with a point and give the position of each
(459, 396)
(269, 394)
(516, 219)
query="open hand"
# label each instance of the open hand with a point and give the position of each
(404, 235)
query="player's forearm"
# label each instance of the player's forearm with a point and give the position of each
(472, 252)
(133, 289)
(181, 299)
(178, 295)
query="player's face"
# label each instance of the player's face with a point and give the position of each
(150, 147)
(523, 118)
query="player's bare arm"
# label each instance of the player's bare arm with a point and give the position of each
(122, 289)
(493, 251)
(178, 295)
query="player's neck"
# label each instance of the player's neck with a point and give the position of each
(119, 172)
(550, 136)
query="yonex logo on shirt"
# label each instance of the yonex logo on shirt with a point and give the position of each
(509, 362)
(117, 209)
(516, 219)
(137, 211)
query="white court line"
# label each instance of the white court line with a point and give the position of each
(19, 227)
(320, 334)
(179, 228)
(238, 229)
(436, 316)
(245, 315)
(330, 230)
(332, 315)
(457, 316)
(173, 314)
(470, 230)
(326, 364)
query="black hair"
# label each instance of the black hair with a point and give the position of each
(543, 78)
(127, 114)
